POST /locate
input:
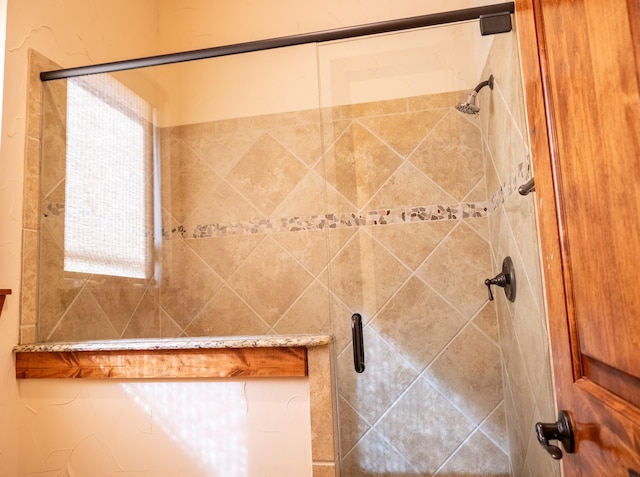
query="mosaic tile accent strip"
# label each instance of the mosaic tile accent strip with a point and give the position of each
(334, 221)
(318, 222)
(459, 211)
(51, 209)
(521, 175)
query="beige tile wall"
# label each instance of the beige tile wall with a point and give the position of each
(431, 395)
(522, 324)
(265, 233)
(33, 213)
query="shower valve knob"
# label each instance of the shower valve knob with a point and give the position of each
(505, 279)
(499, 280)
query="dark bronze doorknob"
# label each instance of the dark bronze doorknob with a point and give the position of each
(562, 431)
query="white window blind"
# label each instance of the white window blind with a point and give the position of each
(109, 180)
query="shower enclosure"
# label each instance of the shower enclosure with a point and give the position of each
(280, 192)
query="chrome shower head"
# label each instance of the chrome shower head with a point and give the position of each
(470, 106)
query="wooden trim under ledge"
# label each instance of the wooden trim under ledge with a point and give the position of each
(3, 295)
(163, 363)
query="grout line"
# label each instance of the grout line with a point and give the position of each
(495, 314)
(482, 423)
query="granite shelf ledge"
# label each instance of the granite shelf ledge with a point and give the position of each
(188, 358)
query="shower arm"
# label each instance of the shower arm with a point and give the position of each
(470, 107)
(488, 83)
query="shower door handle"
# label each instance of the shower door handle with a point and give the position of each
(358, 342)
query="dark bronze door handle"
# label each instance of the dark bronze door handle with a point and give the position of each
(562, 431)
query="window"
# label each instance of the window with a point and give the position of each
(109, 179)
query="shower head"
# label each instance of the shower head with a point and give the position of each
(470, 106)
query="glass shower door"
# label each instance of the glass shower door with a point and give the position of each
(225, 157)
(405, 179)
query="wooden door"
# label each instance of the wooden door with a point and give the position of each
(580, 63)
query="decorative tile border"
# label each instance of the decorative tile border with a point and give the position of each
(51, 209)
(428, 213)
(334, 221)
(521, 175)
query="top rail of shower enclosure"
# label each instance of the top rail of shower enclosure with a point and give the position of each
(389, 26)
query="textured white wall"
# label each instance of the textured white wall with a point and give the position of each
(71, 32)
(165, 428)
(10, 249)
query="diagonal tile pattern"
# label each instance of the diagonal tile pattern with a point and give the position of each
(404, 132)
(457, 139)
(413, 243)
(408, 186)
(416, 276)
(420, 331)
(187, 178)
(62, 287)
(220, 145)
(304, 139)
(425, 427)
(364, 275)
(477, 453)
(376, 457)
(270, 290)
(358, 164)
(226, 314)
(386, 377)
(308, 314)
(227, 253)
(148, 320)
(266, 174)
(187, 283)
(120, 296)
(468, 373)
(85, 320)
(461, 264)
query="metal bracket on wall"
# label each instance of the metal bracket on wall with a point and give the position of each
(495, 23)
(527, 187)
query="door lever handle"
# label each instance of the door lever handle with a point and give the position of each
(561, 430)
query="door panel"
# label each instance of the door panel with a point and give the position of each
(583, 104)
(594, 89)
